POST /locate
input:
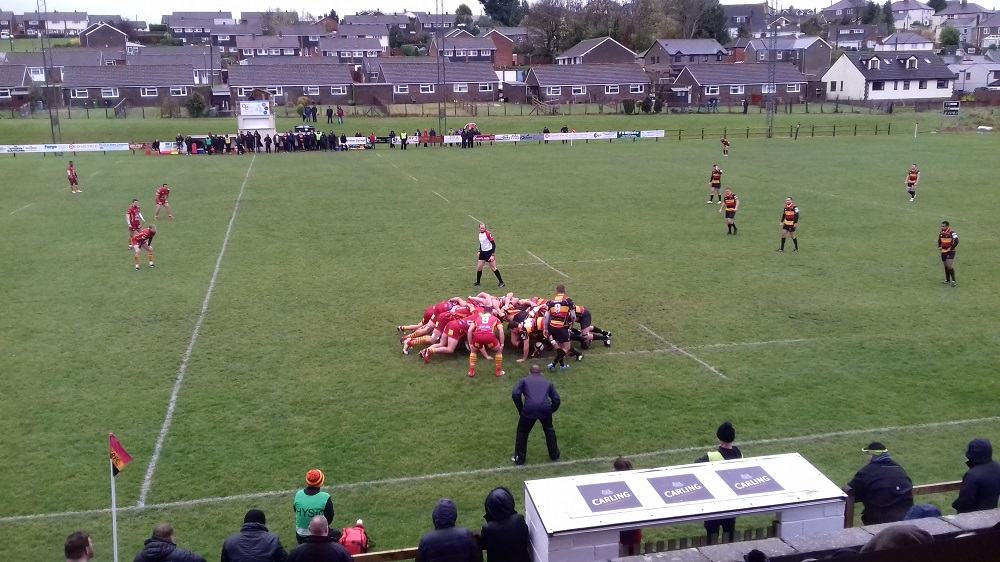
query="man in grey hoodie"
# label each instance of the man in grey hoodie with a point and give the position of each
(981, 484)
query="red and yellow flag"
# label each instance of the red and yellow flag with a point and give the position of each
(119, 456)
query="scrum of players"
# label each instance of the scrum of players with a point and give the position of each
(476, 325)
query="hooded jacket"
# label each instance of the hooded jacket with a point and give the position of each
(161, 550)
(505, 535)
(885, 490)
(981, 484)
(254, 543)
(448, 543)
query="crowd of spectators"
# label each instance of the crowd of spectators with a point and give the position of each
(882, 486)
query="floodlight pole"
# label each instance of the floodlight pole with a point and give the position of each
(48, 67)
(772, 67)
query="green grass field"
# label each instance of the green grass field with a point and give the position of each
(35, 44)
(298, 365)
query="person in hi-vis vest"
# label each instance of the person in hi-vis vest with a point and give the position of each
(726, 451)
(310, 502)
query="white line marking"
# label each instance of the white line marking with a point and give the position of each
(441, 196)
(546, 264)
(393, 164)
(687, 353)
(95, 173)
(502, 469)
(377, 154)
(748, 343)
(21, 209)
(505, 264)
(186, 358)
(475, 219)
(413, 178)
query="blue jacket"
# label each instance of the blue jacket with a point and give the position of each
(535, 397)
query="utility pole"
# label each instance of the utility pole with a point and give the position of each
(49, 92)
(772, 67)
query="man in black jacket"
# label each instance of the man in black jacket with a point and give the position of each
(320, 545)
(536, 399)
(505, 535)
(254, 543)
(882, 486)
(448, 543)
(726, 434)
(161, 548)
(981, 484)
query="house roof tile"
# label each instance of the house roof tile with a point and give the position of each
(362, 30)
(266, 42)
(349, 44)
(892, 65)
(587, 74)
(12, 75)
(735, 74)
(289, 75)
(427, 73)
(585, 46)
(127, 75)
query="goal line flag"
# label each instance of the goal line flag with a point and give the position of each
(119, 456)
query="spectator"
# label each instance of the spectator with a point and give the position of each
(310, 502)
(343, 140)
(79, 547)
(897, 536)
(254, 543)
(161, 547)
(402, 139)
(564, 129)
(981, 484)
(882, 486)
(319, 545)
(505, 534)
(329, 115)
(630, 541)
(448, 543)
(921, 511)
(545, 131)
(536, 399)
(726, 434)
(267, 143)
(340, 115)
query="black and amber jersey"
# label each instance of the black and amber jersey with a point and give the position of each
(716, 178)
(790, 215)
(730, 201)
(560, 309)
(947, 240)
(912, 176)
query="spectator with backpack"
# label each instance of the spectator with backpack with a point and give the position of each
(505, 534)
(254, 543)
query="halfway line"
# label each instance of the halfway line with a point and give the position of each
(688, 353)
(546, 264)
(441, 196)
(500, 469)
(186, 358)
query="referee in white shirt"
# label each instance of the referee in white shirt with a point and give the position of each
(487, 247)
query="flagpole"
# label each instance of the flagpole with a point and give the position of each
(114, 510)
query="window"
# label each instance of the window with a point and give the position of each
(244, 92)
(718, 58)
(372, 54)
(768, 88)
(314, 37)
(968, 76)
(261, 51)
(911, 63)
(223, 38)
(274, 90)
(222, 49)
(611, 89)
(711, 90)
(4, 92)
(427, 88)
(793, 88)
(274, 51)
(345, 54)
(178, 91)
(373, 75)
(833, 86)
(486, 87)
(402, 89)
(779, 55)
(359, 54)
(460, 88)
(109, 62)
(922, 84)
(311, 90)
(873, 64)
(37, 73)
(878, 85)
(942, 84)
(760, 55)
(678, 58)
(289, 52)
(554, 90)
(484, 53)
(247, 52)
(460, 52)
(736, 90)
(636, 88)
(79, 93)
(895, 84)
(906, 84)
(449, 53)
(579, 90)
(840, 12)
(109, 92)
(188, 30)
(338, 90)
(148, 92)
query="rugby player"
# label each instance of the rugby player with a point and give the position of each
(133, 220)
(912, 179)
(715, 182)
(947, 242)
(789, 223)
(143, 240)
(730, 204)
(162, 202)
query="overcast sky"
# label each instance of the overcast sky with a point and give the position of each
(151, 11)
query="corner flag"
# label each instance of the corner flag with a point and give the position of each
(119, 456)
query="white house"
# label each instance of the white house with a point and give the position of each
(968, 30)
(960, 9)
(974, 71)
(905, 41)
(895, 76)
(857, 37)
(988, 32)
(66, 23)
(906, 13)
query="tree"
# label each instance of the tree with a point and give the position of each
(949, 36)
(195, 105)
(888, 17)
(812, 26)
(872, 14)
(713, 25)
(504, 12)
(395, 37)
(548, 17)
(938, 5)
(273, 19)
(333, 15)
(463, 19)
(698, 18)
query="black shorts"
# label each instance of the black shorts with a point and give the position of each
(561, 335)
(485, 256)
(730, 214)
(789, 228)
(947, 256)
(585, 320)
(716, 187)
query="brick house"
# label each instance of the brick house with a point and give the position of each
(857, 37)
(366, 30)
(600, 50)
(204, 61)
(267, 46)
(844, 12)
(732, 83)
(106, 86)
(324, 83)
(307, 34)
(103, 35)
(430, 82)
(224, 36)
(30, 24)
(675, 54)
(15, 86)
(504, 56)
(433, 23)
(588, 83)
(399, 21)
(811, 55)
(8, 27)
(351, 50)
(62, 58)
(751, 19)
(463, 48)
(196, 27)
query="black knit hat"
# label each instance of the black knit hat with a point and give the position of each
(726, 432)
(254, 516)
(875, 448)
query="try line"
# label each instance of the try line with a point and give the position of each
(147, 482)
(501, 469)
